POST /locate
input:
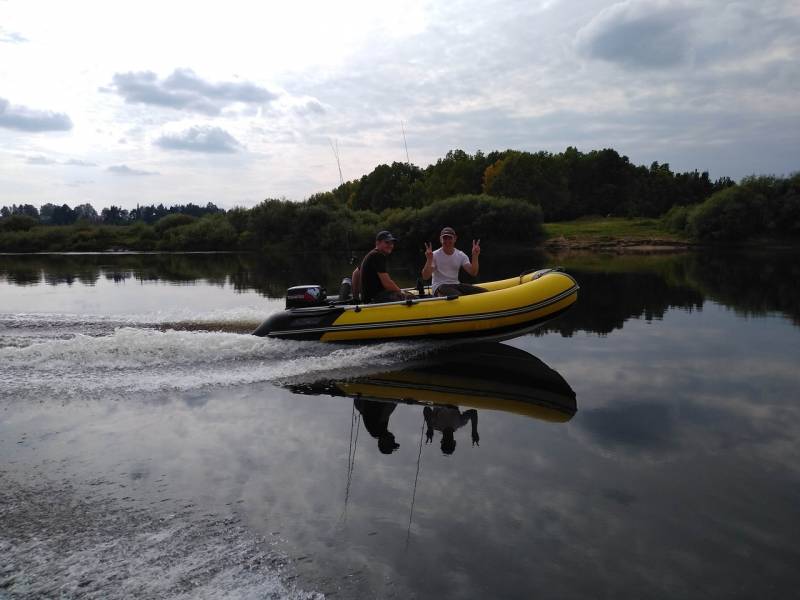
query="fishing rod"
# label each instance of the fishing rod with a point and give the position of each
(408, 160)
(416, 478)
(355, 423)
(335, 148)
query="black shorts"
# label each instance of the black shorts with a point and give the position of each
(458, 289)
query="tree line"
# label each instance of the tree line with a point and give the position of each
(284, 226)
(566, 185)
(505, 195)
(52, 214)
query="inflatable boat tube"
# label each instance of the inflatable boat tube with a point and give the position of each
(509, 308)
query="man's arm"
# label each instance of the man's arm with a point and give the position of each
(355, 283)
(387, 283)
(473, 417)
(473, 266)
(427, 270)
(427, 412)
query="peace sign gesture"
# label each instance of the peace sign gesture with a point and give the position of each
(476, 247)
(428, 250)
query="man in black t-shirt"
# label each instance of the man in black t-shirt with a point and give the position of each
(376, 285)
(376, 421)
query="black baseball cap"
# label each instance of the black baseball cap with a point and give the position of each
(385, 236)
(448, 231)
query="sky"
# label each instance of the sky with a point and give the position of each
(234, 102)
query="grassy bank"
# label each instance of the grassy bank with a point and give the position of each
(610, 229)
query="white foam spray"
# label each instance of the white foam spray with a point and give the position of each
(132, 359)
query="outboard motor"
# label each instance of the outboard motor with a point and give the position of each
(304, 296)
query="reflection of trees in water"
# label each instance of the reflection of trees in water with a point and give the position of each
(89, 268)
(754, 284)
(607, 300)
(618, 289)
(613, 289)
(269, 275)
(273, 274)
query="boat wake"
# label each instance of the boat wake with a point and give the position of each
(22, 329)
(142, 359)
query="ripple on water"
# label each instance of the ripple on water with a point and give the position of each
(55, 543)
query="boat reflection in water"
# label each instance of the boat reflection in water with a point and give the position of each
(452, 385)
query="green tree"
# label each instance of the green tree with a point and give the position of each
(389, 186)
(114, 215)
(172, 221)
(456, 173)
(86, 212)
(17, 222)
(538, 178)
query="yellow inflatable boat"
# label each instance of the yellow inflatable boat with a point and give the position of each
(509, 308)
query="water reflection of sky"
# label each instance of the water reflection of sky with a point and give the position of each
(735, 379)
(134, 297)
(677, 476)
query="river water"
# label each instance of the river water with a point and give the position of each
(644, 445)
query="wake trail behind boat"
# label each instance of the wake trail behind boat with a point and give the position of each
(24, 329)
(141, 360)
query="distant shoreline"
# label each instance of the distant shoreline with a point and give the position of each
(617, 235)
(618, 245)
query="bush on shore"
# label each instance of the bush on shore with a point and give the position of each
(473, 217)
(758, 207)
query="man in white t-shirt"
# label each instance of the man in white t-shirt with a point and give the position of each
(442, 266)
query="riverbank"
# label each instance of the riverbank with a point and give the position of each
(612, 234)
(594, 234)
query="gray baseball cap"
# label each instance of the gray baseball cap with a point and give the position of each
(385, 236)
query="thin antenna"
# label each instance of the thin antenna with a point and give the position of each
(335, 148)
(408, 160)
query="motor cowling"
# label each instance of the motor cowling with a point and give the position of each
(303, 296)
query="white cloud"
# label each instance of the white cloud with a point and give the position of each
(78, 183)
(126, 170)
(11, 37)
(213, 140)
(28, 119)
(40, 160)
(639, 33)
(184, 90)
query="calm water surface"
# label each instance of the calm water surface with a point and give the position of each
(642, 446)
